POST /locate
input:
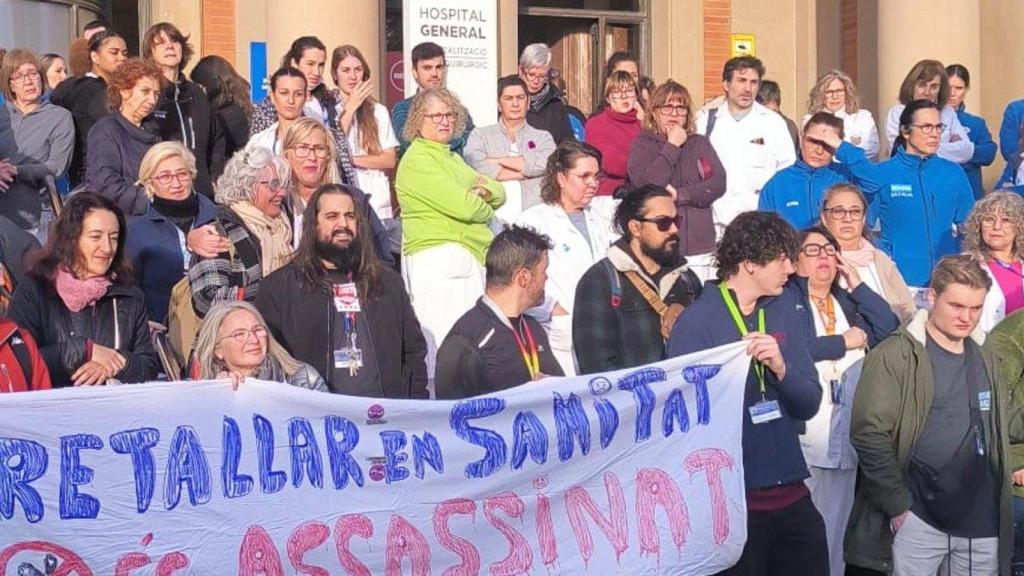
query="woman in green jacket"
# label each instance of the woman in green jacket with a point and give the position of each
(446, 207)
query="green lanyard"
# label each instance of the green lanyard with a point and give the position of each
(738, 320)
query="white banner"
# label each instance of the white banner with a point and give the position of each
(468, 32)
(630, 472)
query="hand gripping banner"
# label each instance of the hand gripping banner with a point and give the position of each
(631, 472)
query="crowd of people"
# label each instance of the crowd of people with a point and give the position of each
(155, 225)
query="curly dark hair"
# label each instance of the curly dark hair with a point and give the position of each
(61, 249)
(757, 237)
(128, 75)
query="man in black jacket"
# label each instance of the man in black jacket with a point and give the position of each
(337, 308)
(627, 303)
(495, 345)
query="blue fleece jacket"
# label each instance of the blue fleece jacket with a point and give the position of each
(771, 450)
(918, 201)
(984, 148)
(1010, 130)
(796, 192)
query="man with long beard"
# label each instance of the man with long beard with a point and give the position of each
(338, 309)
(627, 303)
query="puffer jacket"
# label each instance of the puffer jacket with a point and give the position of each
(65, 338)
(183, 114)
(890, 407)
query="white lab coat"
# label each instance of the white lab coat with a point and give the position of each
(958, 152)
(568, 260)
(859, 129)
(752, 151)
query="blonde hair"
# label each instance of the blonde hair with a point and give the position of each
(156, 155)
(816, 99)
(418, 112)
(13, 60)
(206, 343)
(298, 131)
(962, 269)
(1008, 203)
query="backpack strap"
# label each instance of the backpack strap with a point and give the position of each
(24, 361)
(712, 118)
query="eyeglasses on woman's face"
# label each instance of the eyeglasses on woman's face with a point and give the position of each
(241, 335)
(304, 150)
(930, 128)
(441, 117)
(165, 178)
(838, 214)
(672, 110)
(815, 250)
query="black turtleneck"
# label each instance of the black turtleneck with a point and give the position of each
(182, 212)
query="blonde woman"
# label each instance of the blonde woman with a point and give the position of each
(836, 93)
(234, 342)
(161, 242)
(311, 155)
(994, 234)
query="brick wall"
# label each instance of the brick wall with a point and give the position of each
(717, 28)
(849, 8)
(219, 29)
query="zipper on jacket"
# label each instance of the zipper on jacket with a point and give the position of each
(810, 190)
(927, 214)
(7, 376)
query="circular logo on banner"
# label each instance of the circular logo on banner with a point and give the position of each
(600, 386)
(375, 412)
(377, 472)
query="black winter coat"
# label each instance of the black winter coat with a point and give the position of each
(232, 128)
(116, 149)
(551, 115)
(63, 336)
(301, 321)
(183, 114)
(86, 98)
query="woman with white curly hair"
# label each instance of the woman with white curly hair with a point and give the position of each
(994, 234)
(250, 194)
(235, 342)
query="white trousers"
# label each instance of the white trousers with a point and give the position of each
(922, 550)
(443, 283)
(832, 494)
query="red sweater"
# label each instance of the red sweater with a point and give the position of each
(612, 133)
(14, 343)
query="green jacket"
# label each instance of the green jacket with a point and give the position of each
(1006, 341)
(433, 186)
(892, 401)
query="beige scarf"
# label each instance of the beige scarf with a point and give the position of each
(274, 234)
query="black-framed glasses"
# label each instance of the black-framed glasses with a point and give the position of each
(26, 77)
(855, 214)
(930, 128)
(673, 109)
(663, 223)
(814, 250)
(302, 151)
(242, 335)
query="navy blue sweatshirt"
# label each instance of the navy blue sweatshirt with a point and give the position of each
(771, 450)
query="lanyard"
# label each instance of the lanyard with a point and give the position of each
(828, 314)
(737, 318)
(527, 348)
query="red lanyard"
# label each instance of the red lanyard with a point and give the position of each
(529, 354)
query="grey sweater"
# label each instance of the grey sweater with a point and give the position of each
(45, 139)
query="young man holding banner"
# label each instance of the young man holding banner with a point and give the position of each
(785, 532)
(496, 345)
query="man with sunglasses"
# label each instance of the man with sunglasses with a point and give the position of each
(785, 532)
(797, 192)
(627, 303)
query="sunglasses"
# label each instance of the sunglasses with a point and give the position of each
(664, 223)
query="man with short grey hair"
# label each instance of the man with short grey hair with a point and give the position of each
(547, 109)
(495, 345)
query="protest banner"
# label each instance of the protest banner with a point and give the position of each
(631, 472)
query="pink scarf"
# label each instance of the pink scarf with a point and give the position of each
(864, 255)
(77, 294)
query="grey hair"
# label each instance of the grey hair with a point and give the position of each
(535, 56)
(156, 155)
(206, 343)
(1010, 205)
(238, 182)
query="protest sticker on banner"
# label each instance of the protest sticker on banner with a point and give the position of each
(630, 472)
(468, 32)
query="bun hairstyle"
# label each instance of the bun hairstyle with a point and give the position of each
(907, 119)
(562, 160)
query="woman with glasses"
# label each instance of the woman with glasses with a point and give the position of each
(994, 234)
(579, 233)
(234, 342)
(670, 154)
(843, 213)
(251, 194)
(158, 241)
(928, 80)
(918, 198)
(45, 135)
(547, 109)
(836, 94)
(446, 208)
(79, 304)
(614, 129)
(844, 318)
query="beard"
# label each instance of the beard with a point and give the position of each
(667, 254)
(346, 259)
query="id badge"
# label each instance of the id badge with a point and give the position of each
(765, 411)
(346, 299)
(836, 391)
(348, 358)
(985, 400)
